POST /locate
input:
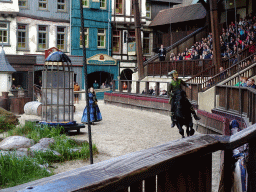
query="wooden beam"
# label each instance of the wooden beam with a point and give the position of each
(138, 39)
(215, 35)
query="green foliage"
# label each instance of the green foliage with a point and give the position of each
(4, 125)
(36, 132)
(17, 170)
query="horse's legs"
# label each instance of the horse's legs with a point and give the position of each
(181, 131)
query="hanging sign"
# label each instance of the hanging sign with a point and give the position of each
(132, 48)
(101, 59)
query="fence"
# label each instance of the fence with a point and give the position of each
(153, 88)
(181, 165)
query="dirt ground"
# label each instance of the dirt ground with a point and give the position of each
(125, 130)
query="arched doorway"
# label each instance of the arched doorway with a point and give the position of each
(100, 77)
(126, 74)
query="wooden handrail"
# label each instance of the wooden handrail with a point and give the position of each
(222, 76)
(167, 163)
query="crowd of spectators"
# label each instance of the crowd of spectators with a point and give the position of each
(235, 38)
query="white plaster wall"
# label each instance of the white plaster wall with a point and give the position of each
(33, 31)
(206, 100)
(11, 6)
(5, 84)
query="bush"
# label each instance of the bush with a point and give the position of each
(18, 170)
(36, 132)
(4, 125)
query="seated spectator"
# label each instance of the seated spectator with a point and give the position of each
(244, 82)
(151, 91)
(251, 83)
(240, 82)
(222, 73)
(124, 86)
(251, 48)
(13, 87)
(102, 86)
(254, 59)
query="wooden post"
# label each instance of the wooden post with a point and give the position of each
(215, 34)
(252, 167)
(138, 39)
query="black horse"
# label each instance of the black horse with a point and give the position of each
(182, 113)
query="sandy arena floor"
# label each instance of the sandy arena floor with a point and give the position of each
(124, 130)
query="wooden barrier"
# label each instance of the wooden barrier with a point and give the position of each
(181, 165)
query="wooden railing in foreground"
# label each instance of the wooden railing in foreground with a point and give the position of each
(181, 165)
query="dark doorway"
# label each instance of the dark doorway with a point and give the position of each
(100, 77)
(126, 74)
(20, 79)
(37, 77)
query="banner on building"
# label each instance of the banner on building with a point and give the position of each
(132, 48)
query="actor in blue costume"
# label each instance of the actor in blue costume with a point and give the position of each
(94, 110)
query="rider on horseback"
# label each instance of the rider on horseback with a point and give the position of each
(174, 86)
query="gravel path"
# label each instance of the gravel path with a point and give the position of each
(125, 130)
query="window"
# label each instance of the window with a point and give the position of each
(116, 41)
(23, 3)
(86, 3)
(61, 5)
(22, 36)
(101, 38)
(4, 33)
(103, 4)
(146, 43)
(42, 38)
(131, 36)
(20, 78)
(42, 4)
(132, 8)
(86, 38)
(148, 10)
(119, 6)
(61, 38)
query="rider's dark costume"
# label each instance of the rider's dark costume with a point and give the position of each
(174, 86)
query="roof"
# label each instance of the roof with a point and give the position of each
(4, 64)
(179, 14)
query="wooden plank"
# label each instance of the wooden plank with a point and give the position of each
(105, 175)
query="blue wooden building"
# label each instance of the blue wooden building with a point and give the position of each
(97, 30)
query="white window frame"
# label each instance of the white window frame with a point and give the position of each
(119, 36)
(86, 34)
(101, 35)
(146, 38)
(148, 11)
(119, 7)
(86, 6)
(61, 4)
(43, 2)
(105, 7)
(7, 29)
(23, 6)
(64, 39)
(26, 36)
(46, 32)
